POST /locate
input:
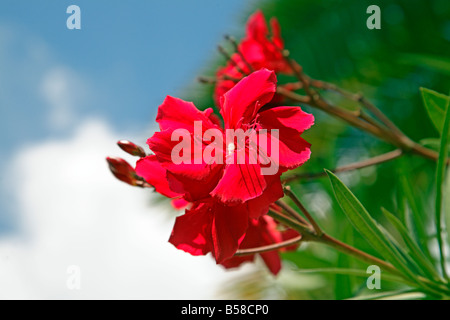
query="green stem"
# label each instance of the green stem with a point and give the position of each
(309, 234)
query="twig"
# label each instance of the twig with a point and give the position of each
(385, 157)
(236, 48)
(290, 194)
(403, 142)
(207, 80)
(330, 241)
(270, 247)
(229, 58)
(292, 212)
(358, 97)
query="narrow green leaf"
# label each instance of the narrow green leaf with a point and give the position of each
(436, 63)
(435, 104)
(393, 295)
(416, 220)
(351, 272)
(412, 265)
(343, 283)
(418, 256)
(447, 200)
(440, 175)
(306, 259)
(367, 226)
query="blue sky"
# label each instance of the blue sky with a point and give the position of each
(132, 53)
(66, 97)
(126, 58)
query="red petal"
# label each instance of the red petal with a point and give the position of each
(179, 203)
(240, 182)
(293, 150)
(254, 53)
(260, 232)
(162, 145)
(287, 235)
(151, 170)
(228, 229)
(192, 231)
(242, 102)
(213, 117)
(194, 181)
(175, 113)
(272, 261)
(290, 123)
(192, 188)
(260, 205)
(257, 26)
(286, 117)
(276, 33)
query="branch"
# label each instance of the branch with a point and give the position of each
(236, 48)
(290, 194)
(292, 212)
(385, 157)
(270, 247)
(229, 58)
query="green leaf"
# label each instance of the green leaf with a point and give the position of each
(367, 226)
(306, 259)
(351, 272)
(437, 63)
(416, 253)
(435, 104)
(440, 175)
(447, 200)
(402, 251)
(433, 143)
(343, 283)
(416, 217)
(393, 295)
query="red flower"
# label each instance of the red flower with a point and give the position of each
(241, 108)
(260, 50)
(224, 196)
(261, 232)
(257, 50)
(226, 201)
(212, 226)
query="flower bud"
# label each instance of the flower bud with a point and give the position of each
(123, 171)
(131, 148)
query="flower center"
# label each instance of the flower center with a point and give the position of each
(231, 147)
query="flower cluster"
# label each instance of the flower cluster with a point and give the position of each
(257, 50)
(226, 202)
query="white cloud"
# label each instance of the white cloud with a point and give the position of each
(73, 212)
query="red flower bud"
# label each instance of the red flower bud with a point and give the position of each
(131, 148)
(123, 171)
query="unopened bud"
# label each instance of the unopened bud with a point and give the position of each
(123, 171)
(131, 148)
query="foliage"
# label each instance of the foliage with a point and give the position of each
(330, 40)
